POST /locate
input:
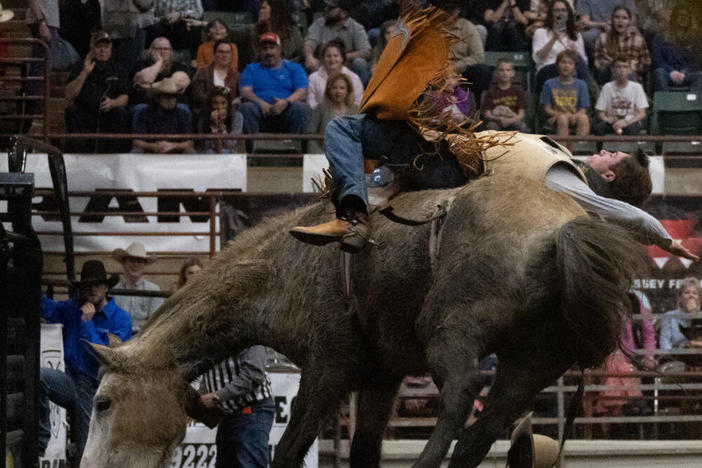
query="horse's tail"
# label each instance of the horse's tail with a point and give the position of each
(595, 263)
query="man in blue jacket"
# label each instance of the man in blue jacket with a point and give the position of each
(88, 318)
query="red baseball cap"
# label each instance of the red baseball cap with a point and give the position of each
(269, 37)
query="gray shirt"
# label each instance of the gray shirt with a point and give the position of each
(351, 33)
(562, 179)
(139, 308)
(50, 10)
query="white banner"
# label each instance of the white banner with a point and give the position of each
(312, 167)
(198, 449)
(51, 350)
(137, 173)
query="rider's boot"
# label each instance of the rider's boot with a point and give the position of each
(351, 228)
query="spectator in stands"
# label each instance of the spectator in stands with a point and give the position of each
(336, 23)
(188, 269)
(338, 99)
(134, 260)
(467, 54)
(91, 316)
(216, 31)
(688, 302)
(79, 18)
(536, 16)
(97, 90)
(273, 16)
(468, 50)
(274, 91)
(159, 65)
(623, 394)
(505, 21)
(565, 99)
(126, 23)
(220, 117)
(220, 73)
(622, 39)
(373, 13)
(622, 103)
(654, 19)
(164, 116)
(503, 105)
(333, 59)
(675, 59)
(173, 23)
(386, 30)
(43, 20)
(595, 19)
(557, 35)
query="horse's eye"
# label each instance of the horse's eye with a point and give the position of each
(102, 404)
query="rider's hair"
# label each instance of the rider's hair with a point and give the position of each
(632, 181)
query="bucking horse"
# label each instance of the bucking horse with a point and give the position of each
(511, 268)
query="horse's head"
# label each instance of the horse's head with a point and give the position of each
(139, 412)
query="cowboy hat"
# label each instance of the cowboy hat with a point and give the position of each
(135, 250)
(6, 15)
(530, 450)
(165, 86)
(93, 271)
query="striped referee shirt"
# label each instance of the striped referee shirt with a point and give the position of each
(239, 381)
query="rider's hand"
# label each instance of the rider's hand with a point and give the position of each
(676, 248)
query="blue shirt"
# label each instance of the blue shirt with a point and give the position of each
(111, 319)
(671, 336)
(271, 83)
(565, 97)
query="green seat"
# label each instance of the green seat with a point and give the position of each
(677, 113)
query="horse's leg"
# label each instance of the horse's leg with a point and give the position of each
(453, 360)
(516, 384)
(321, 390)
(374, 410)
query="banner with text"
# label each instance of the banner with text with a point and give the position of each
(51, 349)
(135, 173)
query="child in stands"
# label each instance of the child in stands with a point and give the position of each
(565, 99)
(622, 103)
(503, 104)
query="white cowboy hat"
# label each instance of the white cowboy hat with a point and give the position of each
(530, 450)
(165, 86)
(135, 250)
(6, 15)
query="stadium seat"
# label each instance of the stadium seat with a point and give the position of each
(676, 113)
(630, 146)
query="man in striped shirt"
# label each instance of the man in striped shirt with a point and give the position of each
(241, 389)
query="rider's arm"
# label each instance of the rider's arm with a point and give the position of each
(646, 228)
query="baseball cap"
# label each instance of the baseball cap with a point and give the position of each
(269, 37)
(99, 36)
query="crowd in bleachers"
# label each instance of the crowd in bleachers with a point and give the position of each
(284, 66)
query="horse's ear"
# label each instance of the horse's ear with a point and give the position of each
(105, 355)
(113, 340)
(199, 412)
